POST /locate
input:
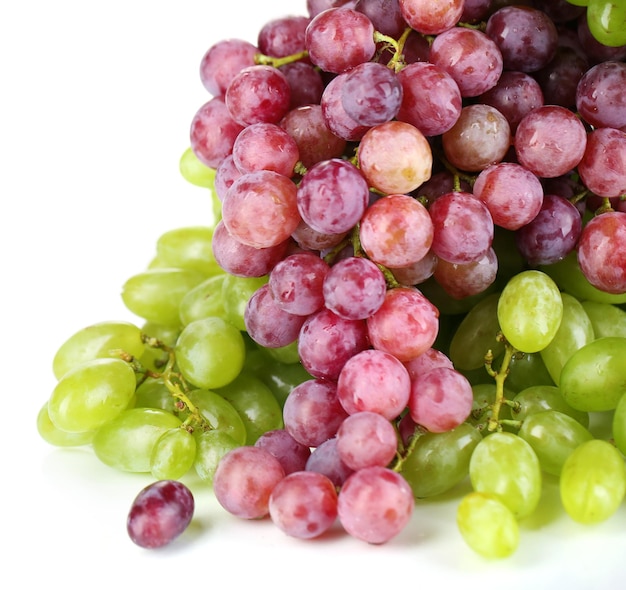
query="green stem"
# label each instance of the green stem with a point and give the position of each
(276, 62)
(499, 376)
(403, 454)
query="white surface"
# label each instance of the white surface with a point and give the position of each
(96, 103)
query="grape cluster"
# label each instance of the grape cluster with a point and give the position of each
(415, 277)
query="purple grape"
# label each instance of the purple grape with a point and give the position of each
(160, 513)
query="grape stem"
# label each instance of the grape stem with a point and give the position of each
(276, 62)
(396, 63)
(404, 451)
(494, 423)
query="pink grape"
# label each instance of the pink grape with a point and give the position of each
(223, 61)
(406, 325)
(305, 83)
(325, 459)
(374, 381)
(418, 272)
(550, 141)
(327, 341)
(431, 17)
(385, 15)
(260, 208)
(225, 174)
(339, 39)
(395, 157)
(283, 36)
(335, 115)
(429, 359)
(601, 248)
(312, 412)
(292, 454)
(304, 504)
(511, 192)
(462, 227)
(366, 439)
(470, 278)
(600, 95)
(354, 288)
(375, 504)
(244, 480)
(603, 165)
(441, 399)
(396, 231)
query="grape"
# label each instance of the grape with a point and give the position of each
(606, 22)
(541, 398)
(593, 482)
(305, 83)
(219, 414)
(339, 39)
(603, 165)
(325, 459)
(487, 525)
(375, 504)
(618, 425)
(204, 300)
(431, 17)
(91, 394)
(304, 504)
(173, 454)
(194, 171)
(374, 381)
(160, 513)
(126, 442)
(505, 465)
(335, 116)
(101, 340)
(210, 352)
(606, 319)
(236, 294)
(244, 480)
(188, 248)
(395, 157)
(593, 379)
(211, 446)
(280, 37)
(57, 437)
(223, 61)
(293, 456)
(530, 310)
(440, 461)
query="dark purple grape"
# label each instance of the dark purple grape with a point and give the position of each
(160, 513)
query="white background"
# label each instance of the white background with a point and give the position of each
(96, 103)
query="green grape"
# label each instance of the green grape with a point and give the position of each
(476, 334)
(539, 398)
(593, 482)
(189, 248)
(211, 446)
(526, 370)
(567, 274)
(236, 291)
(618, 424)
(487, 525)
(606, 318)
(102, 340)
(484, 398)
(574, 332)
(153, 393)
(91, 394)
(57, 437)
(255, 403)
(285, 354)
(194, 171)
(553, 436)
(439, 461)
(219, 414)
(607, 21)
(155, 294)
(505, 465)
(204, 300)
(530, 309)
(126, 442)
(579, 2)
(594, 378)
(210, 352)
(173, 454)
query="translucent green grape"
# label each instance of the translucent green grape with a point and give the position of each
(203, 301)
(619, 424)
(153, 393)
(593, 482)
(194, 171)
(530, 309)
(126, 442)
(189, 248)
(236, 291)
(526, 370)
(219, 414)
(476, 335)
(539, 398)
(575, 330)
(594, 378)
(210, 352)
(91, 394)
(57, 437)
(211, 446)
(553, 436)
(101, 340)
(606, 318)
(439, 461)
(607, 21)
(487, 525)
(255, 403)
(155, 294)
(505, 465)
(173, 454)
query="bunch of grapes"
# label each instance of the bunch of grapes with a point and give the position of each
(415, 276)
